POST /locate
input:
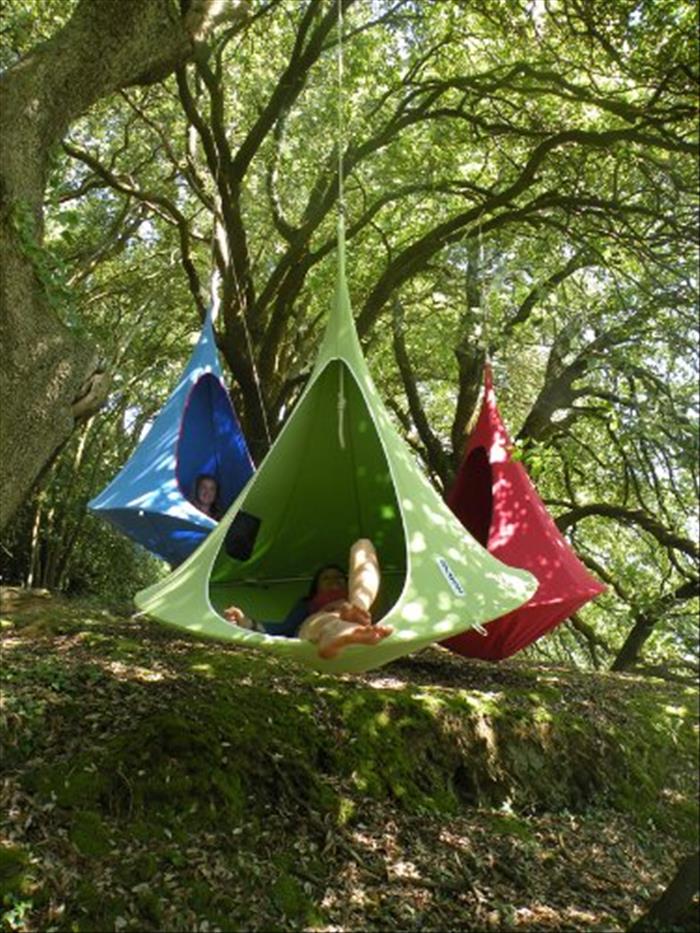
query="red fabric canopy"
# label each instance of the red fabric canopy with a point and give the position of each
(496, 501)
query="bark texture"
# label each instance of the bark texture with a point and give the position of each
(47, 371)
(675, 906)
(644, 622)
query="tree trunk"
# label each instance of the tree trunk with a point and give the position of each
(644, 623)
(676, 902)
(471, 357)
(47, 369)
(34, 556)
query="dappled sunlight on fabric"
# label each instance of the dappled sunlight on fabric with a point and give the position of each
(506, 582)
(442, 628)
(196, 432)
(503, 534)
(346, 464)
(495, 500)
(444, 602)
(435, 518)
(473, 558)
(418, 543)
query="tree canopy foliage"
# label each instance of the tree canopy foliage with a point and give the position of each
(520, 181)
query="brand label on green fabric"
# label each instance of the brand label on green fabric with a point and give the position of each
(448, 574)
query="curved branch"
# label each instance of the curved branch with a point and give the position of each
(637, 517)
(433, 447)
(580, 260)
(154, 200)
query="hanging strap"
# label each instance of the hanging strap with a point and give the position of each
(341, 213)
(486, 291)
(483, 294)
(215, 278)
(341, 122)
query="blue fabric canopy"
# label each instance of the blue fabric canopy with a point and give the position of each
(196, 432)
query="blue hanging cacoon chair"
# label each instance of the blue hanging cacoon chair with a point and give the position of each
(196, 433)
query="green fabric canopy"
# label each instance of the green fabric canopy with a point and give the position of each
(340, 471)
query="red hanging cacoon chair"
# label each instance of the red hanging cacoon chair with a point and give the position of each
(495, 500)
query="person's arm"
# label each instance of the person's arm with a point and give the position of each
(289, 627)
(238, 617)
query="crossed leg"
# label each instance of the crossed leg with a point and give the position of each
(350, 623)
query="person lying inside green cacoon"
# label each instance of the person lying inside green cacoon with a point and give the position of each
(336, 611)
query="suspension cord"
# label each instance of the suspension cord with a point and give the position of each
(341, 209)
(215, 277)
(341, 121)
(483, 296)
(495, 284)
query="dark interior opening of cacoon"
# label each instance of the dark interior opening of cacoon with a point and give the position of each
(326, 483)
(478, 517)
(210, 442)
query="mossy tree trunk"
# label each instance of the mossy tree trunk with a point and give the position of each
(49, 378)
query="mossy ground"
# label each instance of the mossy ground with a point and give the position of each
(157, 783)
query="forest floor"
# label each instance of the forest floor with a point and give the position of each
(154, 782)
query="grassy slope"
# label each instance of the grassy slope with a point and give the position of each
(153, 782)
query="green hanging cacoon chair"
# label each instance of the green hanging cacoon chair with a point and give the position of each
(339, 471)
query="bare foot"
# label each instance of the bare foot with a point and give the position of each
(360, 635)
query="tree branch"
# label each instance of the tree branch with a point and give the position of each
(433, 447)
(636, 517)
(154, 200)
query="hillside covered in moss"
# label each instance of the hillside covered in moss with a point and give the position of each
(152, 782)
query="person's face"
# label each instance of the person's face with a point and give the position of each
(331, 579)
(206, 491)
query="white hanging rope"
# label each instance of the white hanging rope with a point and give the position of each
(214, 293)
(341, 123)
(342, 401)
(486, 290)
(483, 293)
(215, 277)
